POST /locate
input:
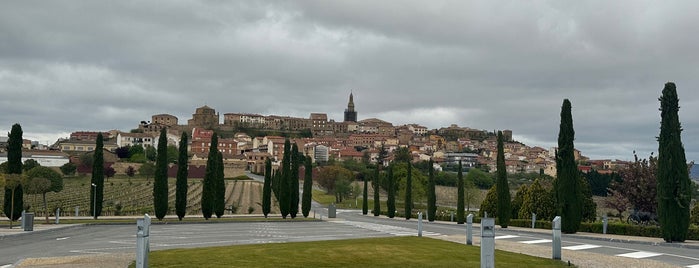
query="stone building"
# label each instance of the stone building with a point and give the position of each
(204, 117)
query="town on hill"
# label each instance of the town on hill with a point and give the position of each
(246, 140)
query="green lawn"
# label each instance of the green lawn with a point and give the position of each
(371, 252)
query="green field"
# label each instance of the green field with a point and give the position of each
(371, 252)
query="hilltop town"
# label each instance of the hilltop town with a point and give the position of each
(247, 139)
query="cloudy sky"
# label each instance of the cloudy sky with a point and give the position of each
(100, 65)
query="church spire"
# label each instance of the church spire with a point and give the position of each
(350, 113)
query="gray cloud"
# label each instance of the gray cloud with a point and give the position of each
(489, 65)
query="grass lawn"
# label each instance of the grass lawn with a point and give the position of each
(371, 252)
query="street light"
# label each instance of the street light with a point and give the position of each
(94, 201)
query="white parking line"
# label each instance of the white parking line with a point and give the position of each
(537, 241)
(581, 247)
(506, 236)
(640, 255)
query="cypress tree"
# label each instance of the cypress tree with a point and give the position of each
(220, 198)
(460, 218)
(284, 184)
(267, 188)
(13, 202)
(673, 183)
(294, 181)
(431, 194)
(375, 186)
(181, 183)
(208, 193)
(391, 201)
(409, 192)
(365, 197)
(307, 188)
(568, 192)
(97, 178)
(504, 206)
(160, 191)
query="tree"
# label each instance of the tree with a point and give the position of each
(267, 188)
(409, 192)
(220, 187)
(160, 191)
(172, 154)
(471, 193)
(68, 169)
(431, 194)
(130, 171)
(460, 196)
(365, 196)
(97, 192)
(209, 184)
(567, 184)
(518, 200)
(504, 205)
(29, 164)
(123, 152)
(294, 181)
(307, 188)
(44, 180)
(391, 201)
(13, 202)
(284, 194)
(480, 178)
(136, 149)
(375, 185)
(538, 200)
(638, 185)
(181, 181)
(589, 207)
(674, 187)
(490, 203)
(109, 172)
(151, 153)
(147, 169)
(403, 155)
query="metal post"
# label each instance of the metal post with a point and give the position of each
(58, 215)
(469, 229)
(21, 223)
(487, 243)
(452, 216)
(314, 213)
(419, 224)
(77, 210)
(142, 241)
(94, 201)
(533, 220)
(556, 238)
(604, 224)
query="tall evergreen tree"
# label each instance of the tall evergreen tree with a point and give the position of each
(391, 201)
(674, 186)
(568, 190)
(182, 174)
(220, 198)
(431, 194)
(375, 185)
(208, 193)
(294, 181)
(267, 188)
(284, 185)
(504, 203)
(160, 191)
(97, 178)
(460, 218)
(13, 202)
(365, 196)
(307, 187)
(409, 192)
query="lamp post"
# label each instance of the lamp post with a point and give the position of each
(94, 200)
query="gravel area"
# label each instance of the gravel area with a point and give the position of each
(83, 261)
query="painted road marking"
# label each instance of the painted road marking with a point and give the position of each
(582, 247)
(639, 255)
(59, 239)
(6, 266)
(693, 266)
(537, 241)
(506, 236)
(389, 229)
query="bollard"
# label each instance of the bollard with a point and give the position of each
(533, 220)
(332, 211)
(452, 216)
(556, 238)
(419, 224)
(142, 241)
(21, 223)
(604, 224)
(314, 213)
(469, 229)
(485, 214)
(58, 215)
(77, 210)
(487, 243)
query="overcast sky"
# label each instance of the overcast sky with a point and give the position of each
(99, 65)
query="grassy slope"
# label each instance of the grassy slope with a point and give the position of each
(372, 252)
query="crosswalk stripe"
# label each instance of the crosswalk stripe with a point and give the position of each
(581, 247)
(537, 241)
(506, 236)
(639, 255)
(693, 266)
